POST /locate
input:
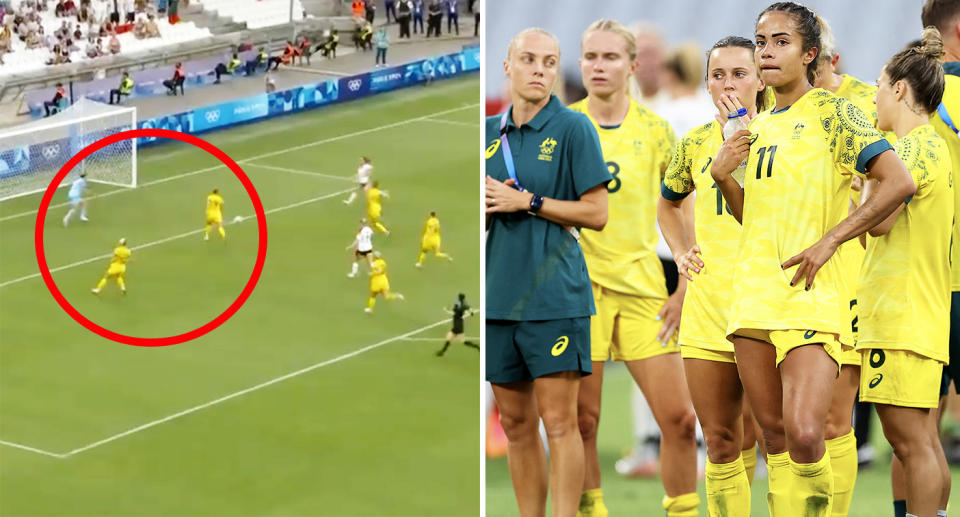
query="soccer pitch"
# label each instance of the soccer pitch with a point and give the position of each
(301, 404)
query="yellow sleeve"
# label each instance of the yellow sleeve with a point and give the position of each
(677, 179)
(666, 146)
(853, 139)
(908, 149)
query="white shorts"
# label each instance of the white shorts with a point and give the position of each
(75, 200)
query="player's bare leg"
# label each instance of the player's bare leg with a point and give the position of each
(911, 433)
(588, 419)
(662, 381)
(557, 403)
(525, 454)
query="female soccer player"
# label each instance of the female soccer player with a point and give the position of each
(905, 287)
(788, 330)
(362, 247)
(375, 207)
(711, 368)
(117, 268)
(430, 240)
(635, 319)
(214, 215)
(545, 176)
(379, 283)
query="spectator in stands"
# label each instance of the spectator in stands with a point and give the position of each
(382, 42)
(179, 77)
(358, 9)
(63, 31)
(286, 57)
(140, 28)
(371, 9)
(434, 17)
(228, 68)
(69, 8)
(130, 10)
(262, 59)
(388, 9)
(114, 44)
(172, 11)
(55, 54)
(54, 103)
(77, 33)
(453, 18)
(69, 46)
(303, 49)
(33, 40)
(417, 15)
(84, 16)
(404, 12)
(6, 36)
(152, 30)
(126, 88)
(58, 11)
(91, 50)
(329, 47)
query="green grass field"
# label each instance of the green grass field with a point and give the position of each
(301, 404)
(642, 496)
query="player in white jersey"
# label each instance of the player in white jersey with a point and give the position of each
(364, 172)
(362, 247)
(77, 201)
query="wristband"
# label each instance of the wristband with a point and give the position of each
(535, 203)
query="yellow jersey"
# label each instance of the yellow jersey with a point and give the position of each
(706, 306)
(796, 189)
(373, 196)
(121, 254)
(905, 284)
(951, 102)
(379, 267)
(623, 256)
(214, 204)
(431, 228)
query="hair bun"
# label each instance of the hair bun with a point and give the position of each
(931, 44)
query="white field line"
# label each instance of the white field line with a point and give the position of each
(257, 157)
(300, 171)
(453, 122)
(33, 449)
(173, 238)
(233, 395)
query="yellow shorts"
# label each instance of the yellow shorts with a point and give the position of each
(214, 218)
(373, 212)
(900, 378)
(379, 284)
(786, 340)
(430, 244)
(693, 352)
(116, 270)
(850, 357)
(625, 327)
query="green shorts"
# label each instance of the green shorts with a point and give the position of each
(524, 350)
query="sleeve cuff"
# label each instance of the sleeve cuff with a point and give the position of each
(869, 152)
(670, 194)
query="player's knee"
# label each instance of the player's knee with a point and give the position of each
(722, 443)
(588, 420)
(805, 435)
(519, 426)
(559, 423)
(681, 424)
(835, 428)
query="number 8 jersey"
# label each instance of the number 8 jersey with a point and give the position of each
(796, 189)
(623, 256)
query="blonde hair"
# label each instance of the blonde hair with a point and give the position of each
(531, 30)
(686, 61)
(828, 46)
(616, 28)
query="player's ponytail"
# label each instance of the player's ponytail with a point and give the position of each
(920, 67)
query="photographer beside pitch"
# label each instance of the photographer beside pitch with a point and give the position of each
(545, 176)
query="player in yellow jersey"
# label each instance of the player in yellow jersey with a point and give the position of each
(214, 215)
(840, 439)
(117, 268)
(708, 357)
(905, 283)
(379, 283)
(430, 240)
(635, 320)
(786, 328)
(374, 207)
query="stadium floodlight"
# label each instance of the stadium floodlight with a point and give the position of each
(33, 153)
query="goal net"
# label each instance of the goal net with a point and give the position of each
(33, 153)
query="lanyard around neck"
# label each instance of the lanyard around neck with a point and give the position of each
(507, 155)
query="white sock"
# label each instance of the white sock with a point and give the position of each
(910, 515)
(941, 513)
(83, 212)
(68, 216)
(353, 195)
(353, 271)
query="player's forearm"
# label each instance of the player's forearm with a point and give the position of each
(671, 218)
(590, 211)
(894, 188)
(733, 196)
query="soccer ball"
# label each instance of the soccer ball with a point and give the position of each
(238, 219)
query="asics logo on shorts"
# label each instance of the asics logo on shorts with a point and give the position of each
(876, 380)
(809, 334)
(560, 346)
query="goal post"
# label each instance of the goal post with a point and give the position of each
(33, 153)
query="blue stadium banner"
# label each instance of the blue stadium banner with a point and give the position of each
(354, 86)
(229, 113)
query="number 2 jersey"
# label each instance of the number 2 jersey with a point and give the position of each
(623, 256)
(706, 306)
(796, 189)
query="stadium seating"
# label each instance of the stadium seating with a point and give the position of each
(22, 59)
(256, 13)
